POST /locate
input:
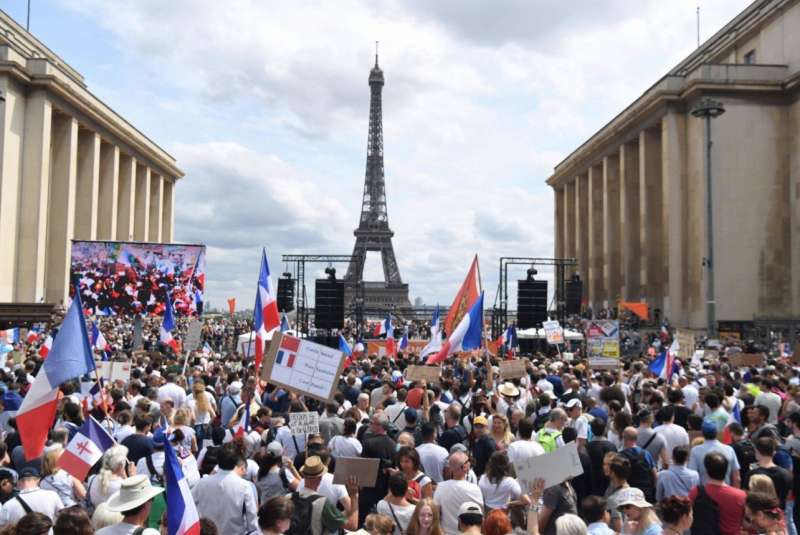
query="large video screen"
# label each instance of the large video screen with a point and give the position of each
(123, 278)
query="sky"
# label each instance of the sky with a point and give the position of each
(265, 107)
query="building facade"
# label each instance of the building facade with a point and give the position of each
(70, 168)
(630, 202)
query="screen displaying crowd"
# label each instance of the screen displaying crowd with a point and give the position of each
(120, 278)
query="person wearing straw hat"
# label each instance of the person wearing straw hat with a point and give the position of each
(639, 514)
(134, 500)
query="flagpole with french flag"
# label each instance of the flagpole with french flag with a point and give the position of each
(167, 326)
(265, 312)
(70, 357)
(436, 335)
(345, 348)
(182, 515)
(467, 335)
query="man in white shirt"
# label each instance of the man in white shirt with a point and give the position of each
(173, 392)
(674, 435)
(770, 400)
(577, 420)
(690, 392)
(30, 498)
(450, 494)
(524, 448)
(432, 456)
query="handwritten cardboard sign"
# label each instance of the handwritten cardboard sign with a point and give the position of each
(429, 374)
(303, 423)
(365, 470)
(686, 343)
(513, 369)
(114, 371)
(303, 366)
(746, 359)
(555, 467)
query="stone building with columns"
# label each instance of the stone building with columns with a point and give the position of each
(70, 168)
(630, 201)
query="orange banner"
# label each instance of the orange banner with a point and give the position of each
(640, 309)
(232, 305)
(465, 298)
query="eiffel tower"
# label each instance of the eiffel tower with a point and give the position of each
(373, 232)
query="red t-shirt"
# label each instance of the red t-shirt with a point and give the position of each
(730, 501)
(414, 398)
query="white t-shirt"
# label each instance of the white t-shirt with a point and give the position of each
(674, 435)
(434, 459)
(401, 515)
(342, 446)
(288, 441)
(497, 496)
(524, 449)
(449, 495)
(690, 395)
(581, 426)
(333, 493)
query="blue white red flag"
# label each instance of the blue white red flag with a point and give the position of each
(70, 357)
(663, 366)
(436, 335)
(404, 341)
(167, 326)
(391, 345)
(182, 516)
(344, 347)
(44, 349)
(244, 423)
(265, 312)
(85, 449)
(284, 323)
(99, 341)
(467, 335)
(33, 335)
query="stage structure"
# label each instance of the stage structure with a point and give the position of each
(373, 232)
(500, 308)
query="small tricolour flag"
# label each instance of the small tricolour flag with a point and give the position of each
(287, 352)
(167, 326)
(44, 349)
(403, 341)
(85, 449)
(182, 516)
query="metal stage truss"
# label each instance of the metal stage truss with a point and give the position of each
(500, 308)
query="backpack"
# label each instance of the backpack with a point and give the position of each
(746, 455)
(548, 438)
(706, 514)
(301, 515)
(641, 475)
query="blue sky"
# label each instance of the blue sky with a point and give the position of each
(265, 107)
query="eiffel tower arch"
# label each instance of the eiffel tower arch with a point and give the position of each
(373, 232)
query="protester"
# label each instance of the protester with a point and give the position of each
(425, 520)
(133, 500)
(716, 495)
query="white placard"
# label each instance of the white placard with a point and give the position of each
(554, 468)
(553, 332)
(304, 366)
(114, 371)
(303, 423)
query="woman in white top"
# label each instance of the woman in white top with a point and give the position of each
(419, 484)
(395, 505)
(202, 405)
(114, 469)
(498, 488)
(346, 445)
(182, 420)
(70, 489)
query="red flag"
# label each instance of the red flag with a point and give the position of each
(465, 298)
(232, 305)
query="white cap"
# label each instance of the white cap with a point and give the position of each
(470, 508)
(574, 402)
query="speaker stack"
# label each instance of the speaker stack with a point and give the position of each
(574, 295)
(285, 294)
(531, 303)
(329, 304)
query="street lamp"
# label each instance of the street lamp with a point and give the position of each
(707, 108)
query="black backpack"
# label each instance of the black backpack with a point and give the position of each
(746, 455)
(641, 475)
(706, 514)
(301, 515)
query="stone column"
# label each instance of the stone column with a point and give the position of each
(581, 224)
(595, 283)
(87, 185)
(674, 213)
(141, 218)
(109, 192)
(611, 234)
(794, 205)
(558, 191)
(650, 218)
(569, 220)
(62, 206)
(127, 197)
(12, 138)
(34, 195)
(168, 211)
(629, 220)
(156, 206)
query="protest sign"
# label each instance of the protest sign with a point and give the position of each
(303, 423)
(746, 359)
(602, 341)
(513, 369)
(365, 470)
(553, 332)
(193, 336)
(686, 343)
(555, 467)
(430, 374)
(303, 366)
(114, 371)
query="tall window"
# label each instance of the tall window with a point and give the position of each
(750, 57)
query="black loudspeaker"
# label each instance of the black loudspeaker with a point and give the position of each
(329, 304)
(531, 303)
(574, 296)
(285, 295)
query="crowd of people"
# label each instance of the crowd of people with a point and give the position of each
(713, 450)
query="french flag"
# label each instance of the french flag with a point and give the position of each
(44, 349)
(33, 335)
(383, 327)
(284, 323)
(265, 312)
(167, 326)
(509, 340)
(467, 335)
(662, 366)
(436, 336)
(182, 516)
(391, 346)
(99, 341)
(345, 348)
(244, 424)
(404, 341)
(70, 357)
(85, 449)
